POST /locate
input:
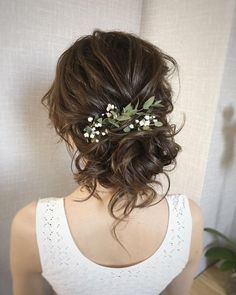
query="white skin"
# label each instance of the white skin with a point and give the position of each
(24, 256)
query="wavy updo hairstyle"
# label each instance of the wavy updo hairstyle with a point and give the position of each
(118, 68)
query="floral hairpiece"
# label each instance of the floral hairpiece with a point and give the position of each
(114, 118)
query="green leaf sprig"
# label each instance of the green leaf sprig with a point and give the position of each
(116, 119)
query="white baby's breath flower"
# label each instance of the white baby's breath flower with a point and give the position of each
(141, 123)
(154, 120)
(106, 130)
(99, 124)
(146, 117)
(108, 107)
(146, 123)
(131, 126)
(103, 133)
(86, 134)
(90, 119)
(97, 132)
(154, 116)
(108, 114)
(92, 135)
(136, 121)
(93, 128)
(103, 114)
(97, 140)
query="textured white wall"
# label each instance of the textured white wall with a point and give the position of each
(33, 35)
(196, 33)
(218, 199)
(201, 35)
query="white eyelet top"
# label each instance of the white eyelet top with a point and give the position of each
(70, 272)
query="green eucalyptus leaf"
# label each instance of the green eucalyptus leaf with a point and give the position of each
(105, 121)
(113, 122)
(113, 113)
(127, 108)
(100, 120)
(157, 105)
(228, 265)
(88, 129)
(122, 118)
(110, 120)
(141, 113)
(158, 124)
(221, 253)
(148, 103)
(126, 129)
(116, 124)
(133, 112)
(146, 127)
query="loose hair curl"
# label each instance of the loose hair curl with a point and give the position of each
(118, 68)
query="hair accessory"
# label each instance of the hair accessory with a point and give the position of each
(113, 117)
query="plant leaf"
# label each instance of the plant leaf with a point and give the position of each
(122, 118)
(221, 253)
(127, 108)
(146, 127)
(217, 233)
(228, 265)
(113, 122)
(113, 113)
(148, 103)
(141, 113)
(158, 124)
(100, 120)
(132, 112)
(157, 104)
(126, 129)
(88, 129)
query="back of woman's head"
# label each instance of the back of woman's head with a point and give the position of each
(115, 68)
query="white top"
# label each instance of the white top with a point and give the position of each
(69, 272)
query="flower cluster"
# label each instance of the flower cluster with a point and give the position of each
(114, 118)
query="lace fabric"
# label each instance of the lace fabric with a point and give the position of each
(70, 272)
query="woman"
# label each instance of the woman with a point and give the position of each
(115, 234)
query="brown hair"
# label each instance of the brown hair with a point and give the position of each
(118, 68)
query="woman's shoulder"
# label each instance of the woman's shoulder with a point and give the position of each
(197, 230)
(24, 221)
(25, 217)
(196, 212)
(23, 237)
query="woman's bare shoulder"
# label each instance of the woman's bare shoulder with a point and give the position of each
(23, 239)
(197, 229)
(24, 215)
(197, 214)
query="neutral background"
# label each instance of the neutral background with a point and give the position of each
(200, 34)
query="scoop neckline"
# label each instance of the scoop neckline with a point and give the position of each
(85, 259)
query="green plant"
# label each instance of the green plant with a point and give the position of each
(226, 255)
